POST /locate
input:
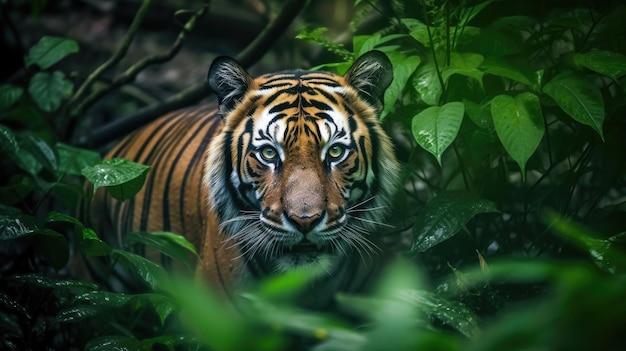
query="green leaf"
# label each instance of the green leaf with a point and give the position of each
(73, 160)
(519, 125)
(170, 244)
(579, 98)
(163, 305)
(122, 178)
(50, 50)
(499, 66)
(435, 128)
(43, 153)
(76, 314)
(104, 299)
(403, 68)
(426, 83)
(112, 342)
(150, 272)
(9, 95)
(14, 224)
(452, 313)
(608, 63)
(479, 114)
(89, 242)
(49, 89)
(465, 64)
(444, 216)
(64, 285)
(8, 141)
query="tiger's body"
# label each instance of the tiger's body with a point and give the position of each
(292, 170)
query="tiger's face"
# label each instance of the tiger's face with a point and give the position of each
(302, 172)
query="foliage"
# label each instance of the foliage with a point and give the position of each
(509, 126)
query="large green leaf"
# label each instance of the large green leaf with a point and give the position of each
(465, 64)
(444, 216)
(170, 244)
(9, 95)
(519, 125)
(73, 160)
(608, 63)
(579, 98)
(435, 128)
(112, 342)
(49, 89)
(153, 274)
(43, 153)
(426, 83)
(122, 178)
(499, 66)
(403, 68)
(50, 50)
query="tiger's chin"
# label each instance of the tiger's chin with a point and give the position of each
(321, 264)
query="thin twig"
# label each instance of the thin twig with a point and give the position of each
(252, 53)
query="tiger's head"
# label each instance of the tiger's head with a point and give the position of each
(302, 173)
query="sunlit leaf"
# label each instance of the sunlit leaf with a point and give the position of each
(579, 98)
(50, 50)
(49, 89)
(122, 178)
(435, 128)
(444, 216)
(519, 125)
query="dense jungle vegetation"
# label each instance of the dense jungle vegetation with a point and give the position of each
(509, 118)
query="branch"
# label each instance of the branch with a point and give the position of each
(137, 68)
(247, 57)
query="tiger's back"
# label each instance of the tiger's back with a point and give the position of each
(293, 170)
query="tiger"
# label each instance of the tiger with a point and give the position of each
(289, 170)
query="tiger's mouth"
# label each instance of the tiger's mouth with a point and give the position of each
(305, 247)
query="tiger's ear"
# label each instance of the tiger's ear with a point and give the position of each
(370, 75)
(229, 81)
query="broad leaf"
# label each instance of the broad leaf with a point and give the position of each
(426, 83)
(435, 128)
(444, 216)
(452, 313)
(122, 178)
(479, 114)
(73, 160)
(43, 153)
(579, 98)
(519, 125)
(465, 64)
(112, 342)
(76, 314)
(403, 68)
(501, 67)
(50, 50)
(49, 89)
(89, 242)
(608, 63)
(150, 272)
(9, 95)
(14, 224)
(170, 244)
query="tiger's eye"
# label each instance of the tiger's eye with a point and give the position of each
(268, 153)
(336, 151)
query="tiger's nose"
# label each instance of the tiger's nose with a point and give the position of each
(304, 223)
